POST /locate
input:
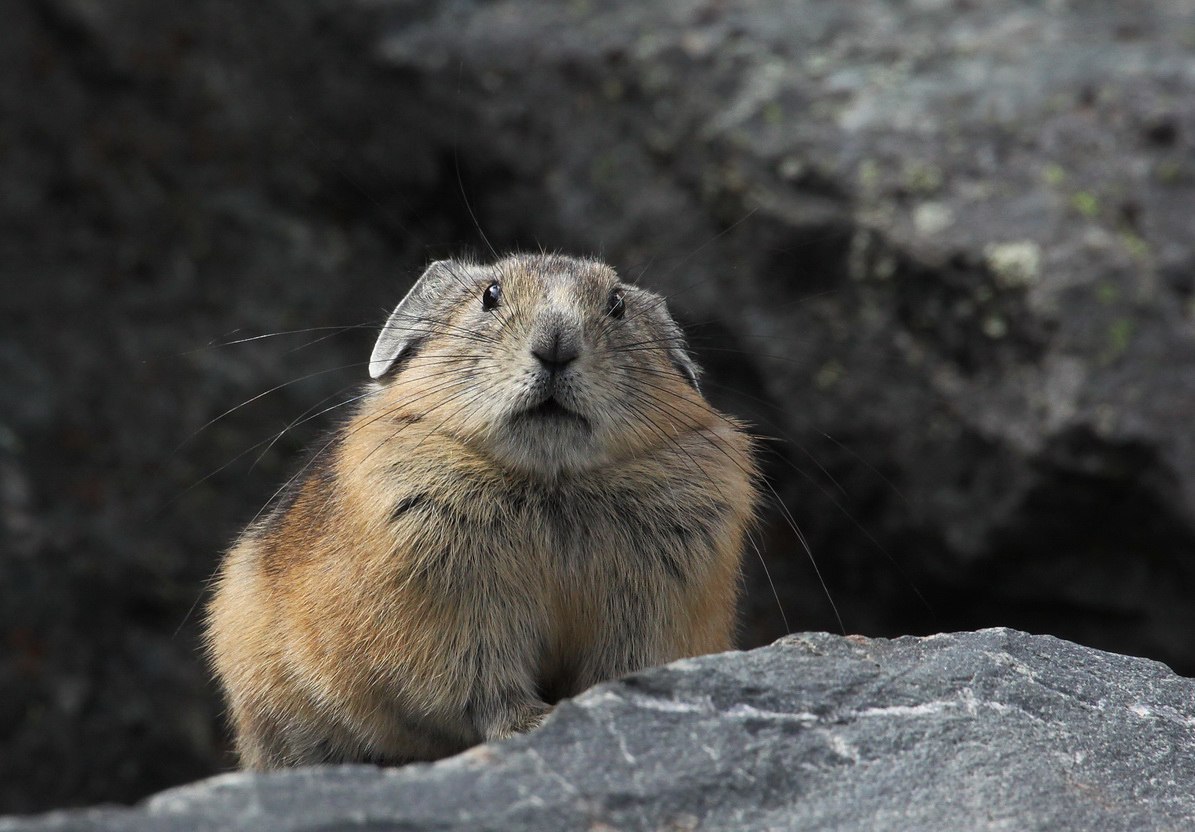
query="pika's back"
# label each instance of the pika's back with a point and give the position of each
(533, 497)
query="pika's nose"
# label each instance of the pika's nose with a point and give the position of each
(556, 350)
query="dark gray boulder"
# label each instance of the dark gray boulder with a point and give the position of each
(993, 730)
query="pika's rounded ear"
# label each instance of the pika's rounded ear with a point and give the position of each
(410, 323)
(685, 365)
(678, 353)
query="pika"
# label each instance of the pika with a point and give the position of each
(533, 497)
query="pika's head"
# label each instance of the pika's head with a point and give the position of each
(547, 364)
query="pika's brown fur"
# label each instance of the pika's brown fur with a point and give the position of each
(535, 498)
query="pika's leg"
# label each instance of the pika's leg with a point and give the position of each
(502, 719)
(264, 742)
(503, 699)
(645, 629)
(259, 743)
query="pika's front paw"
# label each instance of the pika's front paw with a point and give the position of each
(518, 721)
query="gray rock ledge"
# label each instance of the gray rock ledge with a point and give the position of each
(989, 730)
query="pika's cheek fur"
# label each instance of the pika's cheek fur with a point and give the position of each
(535, 498)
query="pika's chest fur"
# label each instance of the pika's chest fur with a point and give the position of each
(573, 544)
(570, 569)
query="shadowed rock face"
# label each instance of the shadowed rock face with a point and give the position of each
(990, 730)
(955, 237)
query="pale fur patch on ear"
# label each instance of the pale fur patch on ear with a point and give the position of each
(686, 367)
(678, 353)
(407, 326)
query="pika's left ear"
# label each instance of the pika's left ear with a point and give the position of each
(412, 321)
(678, 353)
(685, 366)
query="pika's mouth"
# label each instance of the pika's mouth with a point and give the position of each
(549, 411)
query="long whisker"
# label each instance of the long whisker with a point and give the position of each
(909, 582)
(336, 330)
(455, 380)
(456, 164)
(694, 252)
(870, 467)
(673, 442)
(207, 583)
(698, 430)
(768, 423)
(772, 584)
(306, 416)
(262, 395)
(454, 397)
(255, 446)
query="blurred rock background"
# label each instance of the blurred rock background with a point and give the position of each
(943, 251)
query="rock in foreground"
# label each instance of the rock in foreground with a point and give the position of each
(988, 730)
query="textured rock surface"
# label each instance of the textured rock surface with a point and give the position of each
(952, 235)
(982, 731)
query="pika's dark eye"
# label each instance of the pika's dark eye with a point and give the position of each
(491, 296)
(616, 306)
